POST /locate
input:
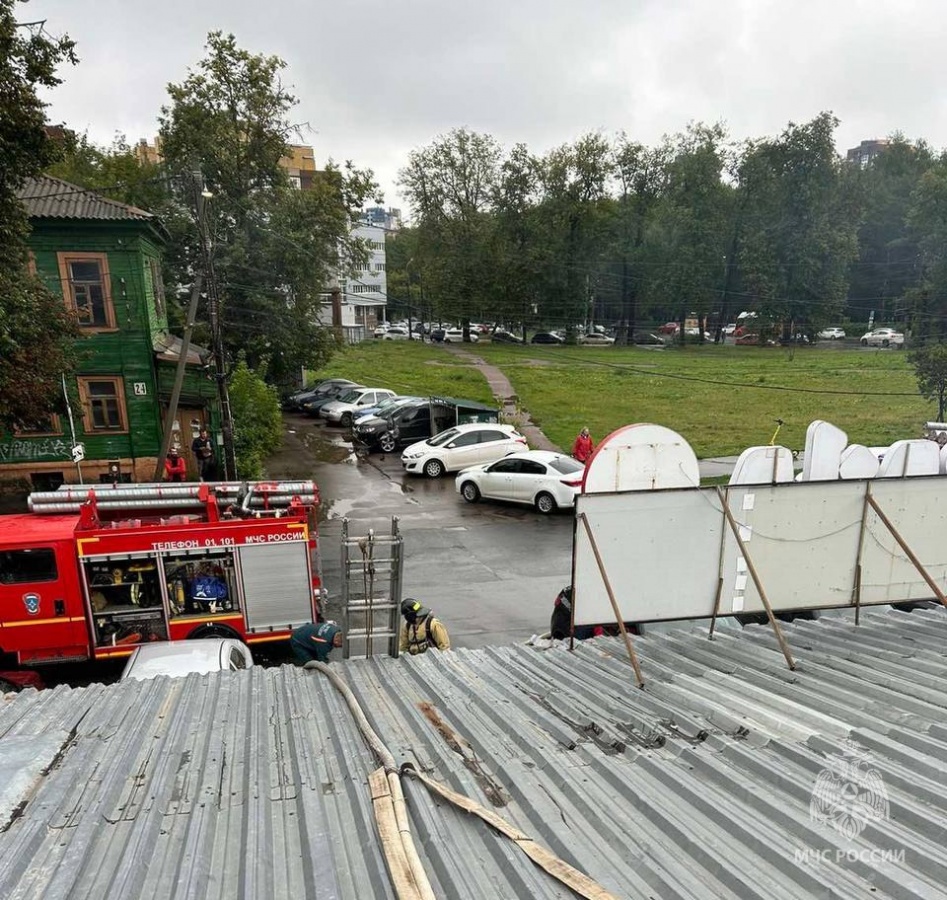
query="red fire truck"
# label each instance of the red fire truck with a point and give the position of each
(91, 573)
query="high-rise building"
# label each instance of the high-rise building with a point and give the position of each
(148, 153)
(866, 151)
(300, 165)
(389, 219)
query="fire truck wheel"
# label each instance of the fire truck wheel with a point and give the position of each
(8, 687)
(213, 631)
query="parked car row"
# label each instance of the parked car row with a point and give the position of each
(493, 459)
(453, 335)
(325, 390)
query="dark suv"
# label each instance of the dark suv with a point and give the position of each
(407, 424)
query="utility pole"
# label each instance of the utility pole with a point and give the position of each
(181, 369)
(335, 299)
(220, 370)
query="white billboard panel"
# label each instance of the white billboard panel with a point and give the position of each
(803, 540)
(661, 550)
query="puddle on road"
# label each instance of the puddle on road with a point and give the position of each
(336, 509)
(326, 451)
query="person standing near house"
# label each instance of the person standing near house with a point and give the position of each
(174, 467)
(203, 450)
(583, 447)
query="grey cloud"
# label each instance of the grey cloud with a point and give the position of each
(378, 78)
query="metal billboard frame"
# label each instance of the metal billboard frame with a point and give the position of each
(776, 547)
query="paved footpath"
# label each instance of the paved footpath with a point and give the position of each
(506, 397)
(515, 414)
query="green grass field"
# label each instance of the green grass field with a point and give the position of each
(413, 368)
(721, 399)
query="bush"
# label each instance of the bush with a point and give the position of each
(258, 425)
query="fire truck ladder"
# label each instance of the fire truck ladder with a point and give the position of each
(371, 591)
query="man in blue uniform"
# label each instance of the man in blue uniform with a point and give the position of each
(314, 641)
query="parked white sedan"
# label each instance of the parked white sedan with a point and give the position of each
(883, 337)
(832, 333)
(601, 340)
(461, 447)
(349, 405)
(456, 335)
(399, 333)
(540, 478)
(179, 658)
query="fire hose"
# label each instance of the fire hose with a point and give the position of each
(391, 815)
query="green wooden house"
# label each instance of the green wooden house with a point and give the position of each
(104, 258)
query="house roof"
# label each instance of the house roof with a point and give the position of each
(51, 198)
(726, 776)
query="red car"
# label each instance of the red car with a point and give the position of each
(670, 328)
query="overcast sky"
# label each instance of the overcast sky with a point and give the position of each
(377, 78)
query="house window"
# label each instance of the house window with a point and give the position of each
(85, 284)
(42, 426)
(103, 404)
(157, 285)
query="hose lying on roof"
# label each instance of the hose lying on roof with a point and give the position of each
(402, 857)
(391, 815)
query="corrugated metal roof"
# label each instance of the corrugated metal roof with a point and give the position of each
(700, 785)
(51, 198)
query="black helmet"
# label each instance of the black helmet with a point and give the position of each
(412, 609)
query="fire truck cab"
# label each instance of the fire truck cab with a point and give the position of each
(90, 585)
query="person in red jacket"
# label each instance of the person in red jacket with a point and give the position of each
(174, 468)
(583, 446)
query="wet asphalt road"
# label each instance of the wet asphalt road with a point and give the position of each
(489, 570)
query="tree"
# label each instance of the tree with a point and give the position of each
(573, 219)
(642, 174)
(403, 275)
(927, 218)
(801, 212)
(115, 172)
(274, 248)
(930, 367)
(888, 267)
(35, 331)
(451, 185)
(687, 231)
(517, 246)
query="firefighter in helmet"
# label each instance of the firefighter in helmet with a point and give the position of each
(421, 630)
